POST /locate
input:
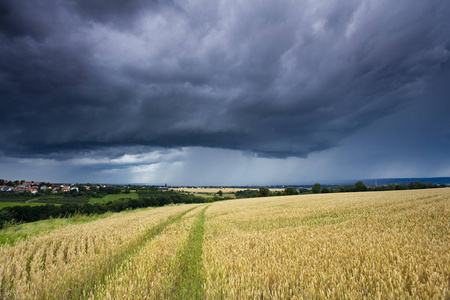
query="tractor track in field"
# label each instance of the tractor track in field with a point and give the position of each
(180, 274)
(82, 289)
(190, 280)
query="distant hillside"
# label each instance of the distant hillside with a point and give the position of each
(386, 181)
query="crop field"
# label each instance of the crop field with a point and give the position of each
(215, 190)
(113, 197)
(11, 234)
(392, 244)
(7, 204)
(59, 200)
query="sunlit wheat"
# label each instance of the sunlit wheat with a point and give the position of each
(150, 274)
(64, 262)
(383, 245)
(355, 245)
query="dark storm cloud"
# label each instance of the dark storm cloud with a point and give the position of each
(276, 78)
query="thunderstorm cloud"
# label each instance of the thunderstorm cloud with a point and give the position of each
(275, 79)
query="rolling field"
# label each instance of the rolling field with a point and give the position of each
(58, 200)
(113, 197)
(11, 234)
(8, 204)
(351, 245)
(215, 190)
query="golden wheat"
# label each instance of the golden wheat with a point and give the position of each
(149, 274)
(355, 245)
(350, 245)
(55, 265)
(215, 190)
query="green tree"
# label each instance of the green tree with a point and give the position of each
(264, 192)
(401, 187)
(325, 189)
(246, 194)
(317, 188)
(220, 193)
(304, 191)
(290, 191)
(360, 186)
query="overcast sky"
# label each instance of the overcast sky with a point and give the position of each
(203, 92)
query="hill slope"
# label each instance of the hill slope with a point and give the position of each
(347, 245)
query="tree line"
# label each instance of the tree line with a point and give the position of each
(318, 188)
(361, 187)
(25, 214)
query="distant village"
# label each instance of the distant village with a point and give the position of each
(35, 187)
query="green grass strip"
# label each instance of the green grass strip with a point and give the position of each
(113, 197)
(9, 204)
(190, 283)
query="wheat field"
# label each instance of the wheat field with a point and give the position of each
(393, 244)
(215, 190)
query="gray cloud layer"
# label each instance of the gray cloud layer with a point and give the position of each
(276, 78)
